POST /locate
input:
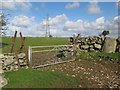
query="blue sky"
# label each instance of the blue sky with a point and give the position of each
(40, 9)
(75, 17)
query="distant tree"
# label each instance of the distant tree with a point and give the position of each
(3, 24)
(50, 36)
(104, 33)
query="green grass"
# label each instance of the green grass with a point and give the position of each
(29, 78)
(32, 41)
(98, 55)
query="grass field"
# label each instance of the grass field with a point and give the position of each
(29, 78)
(32, 41)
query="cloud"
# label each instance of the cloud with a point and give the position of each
(8, 5)
(74, 26)
(14, 28)
(14, 0)
(82, 26)
(59, 19)
(25, 6)
(117, 19)
(60, 25)
(94, 8)
(118, 3)
(113, 25)
(22, 21)
(72, 6)
(100, 23)
(100, 20)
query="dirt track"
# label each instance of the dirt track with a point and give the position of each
(90, 74)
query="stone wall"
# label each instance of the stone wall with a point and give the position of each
(8, 62)
(99, 44)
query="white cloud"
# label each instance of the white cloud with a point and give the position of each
(74, 26)
(56, 20)
(100, 20)
(100, 23)
(22, 21)
(117, 19)
(72, 6)
(94, 8)
(25, 6)
(53, 31)
(7, 5)
(14, 28)
(60, 25)
(82, 26)
(15, 1)
(118, 3)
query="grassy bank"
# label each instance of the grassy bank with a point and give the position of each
(29, 78)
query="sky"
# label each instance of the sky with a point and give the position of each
(65, 18)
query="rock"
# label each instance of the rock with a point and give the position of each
(99, 41)
(26, 67)
(97, 46)
(1, 62)
(21, 55)
(21, 60)
(92, 42)
(1, 56)
(1, 69)
(8, 61)
(91, 49)
(15, 62)
(85, 46)
(91, 46)
(3, 81)
(16, 66)
(109, 45)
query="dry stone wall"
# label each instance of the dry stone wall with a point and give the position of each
(99, 44)
(8, 62)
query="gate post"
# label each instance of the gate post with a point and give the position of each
(30, 56)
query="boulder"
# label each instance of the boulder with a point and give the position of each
(1, 69)
(92, 42)
(1, 56)
(8, 61)
(3, 81)
(21, 55)
(16, 66)
(1, 62)
(21, 60)
(91, 49)
(109, 45)
(97, 46)
(85, 46)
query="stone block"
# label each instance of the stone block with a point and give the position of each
(21, 55)
(85, 47)
(110, 45)
(97, 46)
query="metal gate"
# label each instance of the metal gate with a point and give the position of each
(40, 56)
